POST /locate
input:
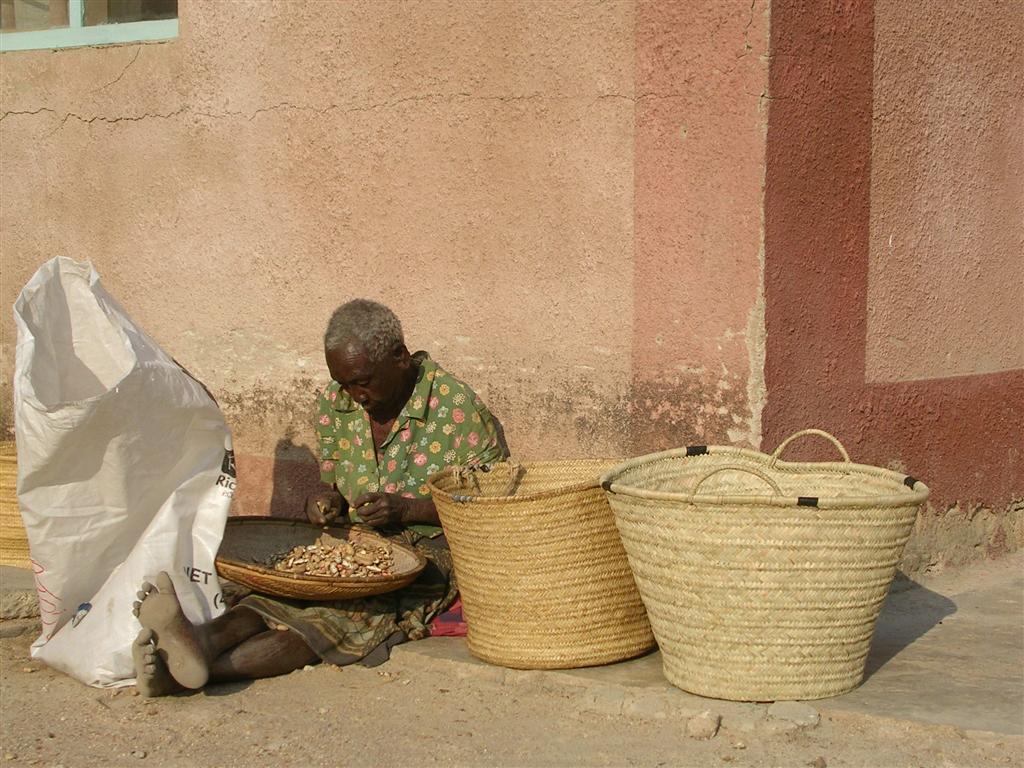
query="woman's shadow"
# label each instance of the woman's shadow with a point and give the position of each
(296, 475)
(910, 611)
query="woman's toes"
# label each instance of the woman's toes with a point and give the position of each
(164, 583)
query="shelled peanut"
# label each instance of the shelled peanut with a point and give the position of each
(335, 558)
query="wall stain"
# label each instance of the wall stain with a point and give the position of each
(952, 535)
(578, 417)
(693, 409)
(287, 411)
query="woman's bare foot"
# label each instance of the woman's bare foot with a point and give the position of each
(177, 643)
(151, 675)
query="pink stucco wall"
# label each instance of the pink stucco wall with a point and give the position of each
(630, 225)
(698, 334)
(477, 166)
(946, 270)
(832, 78)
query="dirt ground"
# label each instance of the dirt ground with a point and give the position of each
(412, 711)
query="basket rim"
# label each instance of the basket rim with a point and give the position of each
(526, 497)
(243, 520)
(917, 492)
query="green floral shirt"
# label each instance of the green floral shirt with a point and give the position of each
(443, 424)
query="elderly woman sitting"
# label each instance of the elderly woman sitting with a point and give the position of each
(388, 420)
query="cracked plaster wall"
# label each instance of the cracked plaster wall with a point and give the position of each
(565, 200)
(879, 125)
(698, 326)
(561, 199)
(945, 288)
(946, 272)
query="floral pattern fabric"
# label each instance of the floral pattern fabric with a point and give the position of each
(443, 424)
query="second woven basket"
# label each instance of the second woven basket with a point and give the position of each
(540, 566)
(763, 578)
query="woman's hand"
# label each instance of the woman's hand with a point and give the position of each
(323, 508)
(389, 509)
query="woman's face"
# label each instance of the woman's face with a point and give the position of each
(379, 387)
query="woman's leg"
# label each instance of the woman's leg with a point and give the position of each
(228, 630)
(171, 645)
(268, 654)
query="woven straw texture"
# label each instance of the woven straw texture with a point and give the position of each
(250, 541)
(542, 573)
(753, 593)
(13, 542)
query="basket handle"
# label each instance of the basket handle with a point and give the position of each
(515, 475)
(462, 474)
(738, 468)
(820, 432)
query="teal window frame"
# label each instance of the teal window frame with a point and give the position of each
(76, 34)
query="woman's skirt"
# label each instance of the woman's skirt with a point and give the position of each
(365, 629)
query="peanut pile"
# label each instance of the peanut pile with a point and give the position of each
(333, 557)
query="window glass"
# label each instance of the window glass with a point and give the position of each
(121, 11)
(30, 15)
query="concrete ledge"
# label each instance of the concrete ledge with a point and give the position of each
(946, 652)
(18, 598)
(634, 688)
(16, 579)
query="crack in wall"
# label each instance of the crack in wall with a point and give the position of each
(14, 113)
(649, 94)
(750, 22)
(288, 106)
(121, 119)
(126, 68)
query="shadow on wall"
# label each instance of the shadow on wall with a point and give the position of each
(910, 612)
(296, 475)
(502, 441)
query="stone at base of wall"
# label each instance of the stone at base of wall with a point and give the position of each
(962, 533)
(19, 605)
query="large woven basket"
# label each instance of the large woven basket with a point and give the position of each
(763, 579)
(13, 542)
(249, 541)
(542, 573)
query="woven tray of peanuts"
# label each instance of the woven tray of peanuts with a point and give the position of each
(296, 559)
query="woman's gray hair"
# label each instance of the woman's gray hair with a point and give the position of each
(367, 324)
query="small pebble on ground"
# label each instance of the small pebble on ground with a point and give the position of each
(703, 726)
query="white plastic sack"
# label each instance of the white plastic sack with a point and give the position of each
(125, 469)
